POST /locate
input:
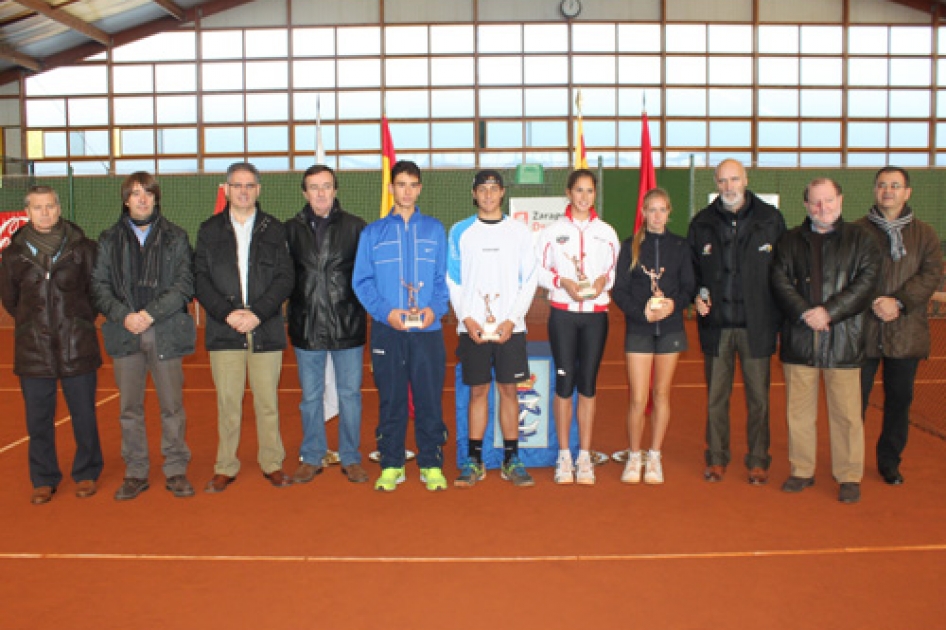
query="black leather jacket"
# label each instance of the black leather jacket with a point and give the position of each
(217, 281)
(113, 287)
(324, 313)
(54, 317)
(722, 243)
(850, 271)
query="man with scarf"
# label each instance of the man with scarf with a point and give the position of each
(142, 282)
(45, 278)
(897, 328)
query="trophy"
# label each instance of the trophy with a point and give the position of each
(490, 327)
(413, 319)
(657, 301)
(585, 289)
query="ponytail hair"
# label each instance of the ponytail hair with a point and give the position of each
(641, 233)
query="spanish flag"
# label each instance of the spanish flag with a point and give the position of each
(581, 154)
(387, 161)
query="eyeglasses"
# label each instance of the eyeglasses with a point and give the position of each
(894, 186)
(243, 186)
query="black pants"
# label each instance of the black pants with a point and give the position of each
(898, 378)
(39, 394)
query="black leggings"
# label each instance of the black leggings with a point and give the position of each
(577, 341)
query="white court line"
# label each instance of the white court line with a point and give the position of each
(705, 555)
(26, 439)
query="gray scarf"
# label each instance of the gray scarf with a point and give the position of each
(894, 229)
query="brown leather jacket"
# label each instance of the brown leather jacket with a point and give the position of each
(54, 331)
(912, 280)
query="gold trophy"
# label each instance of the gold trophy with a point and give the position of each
(657, 301)
(585, 289)
(491, 326)
(413, 319)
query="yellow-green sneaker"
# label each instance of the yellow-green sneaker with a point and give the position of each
(389, 479)
(434, 479)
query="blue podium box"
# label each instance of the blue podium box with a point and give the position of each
(538, 440)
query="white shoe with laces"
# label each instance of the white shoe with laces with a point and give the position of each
(632, 469)
(653, 471)
(586, 471)
(564, 470)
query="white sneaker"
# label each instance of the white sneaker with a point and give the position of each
(653, 471)
(632, 469)
(586, 471)
(564, 470)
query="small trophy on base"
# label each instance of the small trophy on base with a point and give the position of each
(656, 302)
(586, 290)
(413, 319)
(491, 326)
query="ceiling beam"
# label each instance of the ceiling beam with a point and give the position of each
(82, 51)
(926, 6)
(67, 19)
(174, 10)
(20, 59)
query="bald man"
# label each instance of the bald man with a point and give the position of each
(732, 242)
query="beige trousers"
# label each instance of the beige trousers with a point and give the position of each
(843, 391)
(230, 369)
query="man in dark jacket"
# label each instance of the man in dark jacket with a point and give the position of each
(824, 277)
(243, 274)
(732, 242)
(897, 328)
(45, 278)
(326, 320)
(142, 283)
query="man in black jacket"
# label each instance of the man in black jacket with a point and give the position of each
(142, 282)
(824, 277)
(326, 320)
(243, 274)
(732, 241)
(45, 284)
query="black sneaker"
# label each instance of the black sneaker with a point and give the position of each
(180, 486)
(131, 488)
(849, 492)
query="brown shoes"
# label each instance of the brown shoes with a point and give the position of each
(758, 476)
(306, 473)
(219, 483)
(278, 478)
(86, 488)
(714, 474)
(42, 494)
(355, 473)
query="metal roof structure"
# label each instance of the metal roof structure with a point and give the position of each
(38, 35)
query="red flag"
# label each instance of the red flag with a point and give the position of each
(648, 180)
(387, 161)
(221, 199)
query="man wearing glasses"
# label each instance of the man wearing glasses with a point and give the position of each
(243, 274)
(897, 328)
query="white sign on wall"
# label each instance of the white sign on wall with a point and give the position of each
(537, 212)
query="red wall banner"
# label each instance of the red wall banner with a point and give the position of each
(10, 222)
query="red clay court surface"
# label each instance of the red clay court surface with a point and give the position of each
(334, 555)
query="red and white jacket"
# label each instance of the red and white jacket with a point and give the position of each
(594, 243)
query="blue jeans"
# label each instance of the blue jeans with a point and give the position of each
(348, 371)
